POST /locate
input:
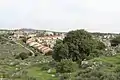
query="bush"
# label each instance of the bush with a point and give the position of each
(12, 42)
(23, 55)
(94, 78)
(45, 67)
(30, 54)
(5, 75)
(24, 39)
(96, 53)
(52, 63)
(109, 76)
(100, 45)
(117, 49)
(66, 66)
(17, 56)
(65, 76)
(31, 78)
(115, 41)
(117, 69)
(96, 73)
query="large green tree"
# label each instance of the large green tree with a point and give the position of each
(61, 51)
(77, 45)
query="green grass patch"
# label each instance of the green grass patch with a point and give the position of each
(39, 74)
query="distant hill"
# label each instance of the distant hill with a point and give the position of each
(30, 30)
(27, 29)
(35, 30)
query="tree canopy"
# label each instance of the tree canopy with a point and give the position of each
(77, 45)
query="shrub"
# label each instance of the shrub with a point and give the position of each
(45, 67)
(96, 73)
(117, 69)
(65, 76)
(109, 76)
(66, 66)
(115, 41)
(100, 45)
(17, 56)
(12, 42)
(23, 55)
(5, 75)
(94, 78)
(30, 54)
(96, 53)
(31, 78)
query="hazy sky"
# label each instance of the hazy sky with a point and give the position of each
(61, 15)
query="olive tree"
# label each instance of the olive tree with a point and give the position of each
(77, 45)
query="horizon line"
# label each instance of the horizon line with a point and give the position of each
(57, 30)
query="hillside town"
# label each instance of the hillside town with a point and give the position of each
(29, 49)
(42, 41)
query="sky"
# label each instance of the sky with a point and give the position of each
(61, 15)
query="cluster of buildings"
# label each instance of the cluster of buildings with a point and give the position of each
(21, 33)
(43, 41)
(44, 49)
(44, 44)
(105, 35)
(49, 40)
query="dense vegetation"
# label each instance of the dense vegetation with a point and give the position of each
(95, 62)
(77, 46)
(16, 63)
(79, 56)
